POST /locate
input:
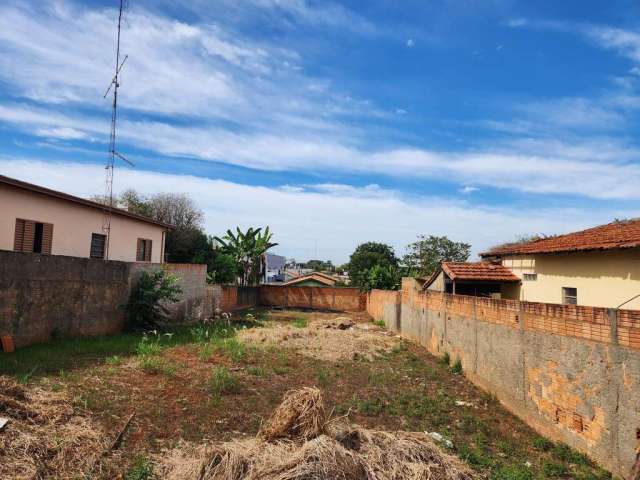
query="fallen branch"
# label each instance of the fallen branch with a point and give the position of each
(118, 439)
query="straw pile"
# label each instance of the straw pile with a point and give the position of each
(306, 448)
(44, 438)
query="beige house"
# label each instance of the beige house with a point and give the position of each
(597, 267)
(37, 219)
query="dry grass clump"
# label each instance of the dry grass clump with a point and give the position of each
(301, 415)
(45, 437)
(319, 451)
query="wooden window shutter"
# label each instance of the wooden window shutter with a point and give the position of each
(18, 240)
(29, 235)
(140, 250)
(47, 238)
(147, 250)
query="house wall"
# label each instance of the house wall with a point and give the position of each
(73, 225)
(570, 372)
(603, 279)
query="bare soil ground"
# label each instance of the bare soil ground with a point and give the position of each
(209, 387)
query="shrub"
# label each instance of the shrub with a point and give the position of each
(149, 298)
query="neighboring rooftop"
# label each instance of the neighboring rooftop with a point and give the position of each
(478, 271)
(612, 236)
(70, 198)
(319, 277)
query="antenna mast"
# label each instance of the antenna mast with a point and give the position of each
(106, 222)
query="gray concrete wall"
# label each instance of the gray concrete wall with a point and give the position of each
(42, 296)
(552, 366)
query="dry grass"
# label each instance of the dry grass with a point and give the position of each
(45, 436)
(299, 444)
(301, 415)
(323, 338)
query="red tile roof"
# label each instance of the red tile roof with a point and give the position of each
(616, 235)
(478, 271)
(317, 276)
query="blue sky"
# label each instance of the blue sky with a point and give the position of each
(337, 122)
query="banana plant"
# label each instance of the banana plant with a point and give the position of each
(248, 250)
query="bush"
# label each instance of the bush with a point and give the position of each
(149, 298)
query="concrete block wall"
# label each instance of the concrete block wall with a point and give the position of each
(572, 373)
(42, 296)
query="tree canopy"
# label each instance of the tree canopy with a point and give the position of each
(425, 255)
(367, 256)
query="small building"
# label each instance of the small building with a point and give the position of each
(597, 267)
(274, 268)
(40, 220)
(315, 279)
(480, 279)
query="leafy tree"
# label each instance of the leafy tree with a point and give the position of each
(221, 268)
(365, 257)
(149, 299)
(320, 265)
(428, 252)
(383, 277)
(247, 249)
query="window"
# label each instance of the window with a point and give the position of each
(32, 236)
(570, 295)
(98, 242)
(530, 277)
(143, 252)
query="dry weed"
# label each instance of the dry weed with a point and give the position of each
(45, 437)
(318, 451)
(301, 415)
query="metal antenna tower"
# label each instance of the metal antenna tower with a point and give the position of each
(113, 154)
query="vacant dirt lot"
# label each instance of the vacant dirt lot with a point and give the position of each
(209, 384)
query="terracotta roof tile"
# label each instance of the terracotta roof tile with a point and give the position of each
(479, 271)
(616, 235)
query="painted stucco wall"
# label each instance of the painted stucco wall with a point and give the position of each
(73, 225)
(572, 373)
(603, 279)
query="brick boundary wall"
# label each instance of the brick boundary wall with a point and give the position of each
(571, 372)
(341, 299)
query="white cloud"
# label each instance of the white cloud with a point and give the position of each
(516, 22)
(626, 42)
(467, 189)
(410, 42)
(337, 217)
(597, 169)
(62, 133)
